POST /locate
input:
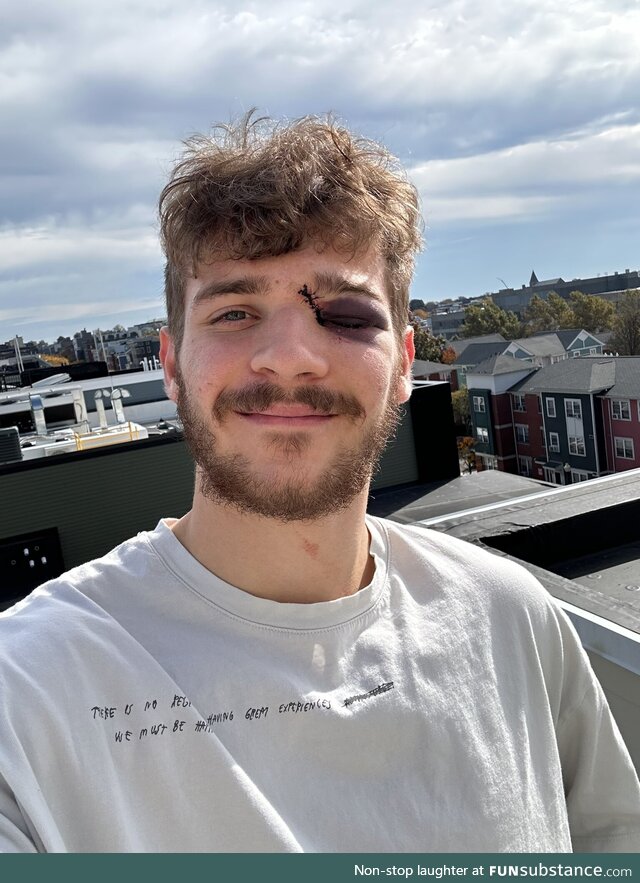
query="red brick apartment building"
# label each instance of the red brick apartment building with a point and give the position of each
(567, 422)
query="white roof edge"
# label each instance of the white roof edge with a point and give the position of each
(604, 637)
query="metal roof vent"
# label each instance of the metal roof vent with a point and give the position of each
(10, 449)
(37, 414)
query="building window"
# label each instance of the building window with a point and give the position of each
(624, 448)
(578, 475)
(621, 409)
(554, 442)
(552, 475)
(551, 407)
(524, 465)
(479, 405)
(522, 434)
(573, 408)
(576, 445)
(482, 435)
(518, 403)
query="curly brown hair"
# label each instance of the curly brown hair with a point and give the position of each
(259, 188)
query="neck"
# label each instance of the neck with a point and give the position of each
(297, 562)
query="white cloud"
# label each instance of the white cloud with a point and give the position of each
(541, 177)
(54, 245)
(506, 112)
(78, 311)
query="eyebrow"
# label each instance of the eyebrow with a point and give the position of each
(324, 284)
(334, 283)
(241, 285)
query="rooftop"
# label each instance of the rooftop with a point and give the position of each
(571, 376)
(501, 364)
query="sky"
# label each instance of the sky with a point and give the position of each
(518, 122)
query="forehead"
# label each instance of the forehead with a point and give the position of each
(323, 270)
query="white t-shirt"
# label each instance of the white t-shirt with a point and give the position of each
(146, 705)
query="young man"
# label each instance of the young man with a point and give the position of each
(275, 671)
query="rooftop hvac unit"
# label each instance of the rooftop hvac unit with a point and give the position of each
(10, 449)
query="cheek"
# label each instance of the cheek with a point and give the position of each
(377, 372)
(206, 367)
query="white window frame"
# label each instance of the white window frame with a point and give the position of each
(552, 476)
(554, 446)
(518, 403)
(525, 433)
(525, 466)
(576, 443)
(551, 407)
(578, 475)
(623, 446)
(623, 405)
(480, 431)
(479, 404)
(571, 404)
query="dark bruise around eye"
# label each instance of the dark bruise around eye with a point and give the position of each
(346, 314)
(354, 313)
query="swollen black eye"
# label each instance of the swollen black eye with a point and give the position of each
(351, 322)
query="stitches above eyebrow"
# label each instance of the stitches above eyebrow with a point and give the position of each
(312, 300)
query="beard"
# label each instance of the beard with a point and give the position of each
(229, 479)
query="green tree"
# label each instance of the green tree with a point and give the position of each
(488, 318)
(539, 316)
(626, 328)
(461, 409)
(591, 312)
(429, 348)
(550, 315)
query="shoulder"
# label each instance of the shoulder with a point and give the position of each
(72, 607)
(460, 567)
(492, 603)
(495, 612)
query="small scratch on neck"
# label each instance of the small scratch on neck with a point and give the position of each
(310, 548)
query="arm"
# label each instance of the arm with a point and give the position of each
(14, 832)
(601, 784)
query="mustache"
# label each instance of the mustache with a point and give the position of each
(261, 396)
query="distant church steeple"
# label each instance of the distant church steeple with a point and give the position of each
(534, 279)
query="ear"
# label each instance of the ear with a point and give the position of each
(405, 384)
(169, 359)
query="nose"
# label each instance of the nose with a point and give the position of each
(290, 346)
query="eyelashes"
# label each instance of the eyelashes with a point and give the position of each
(353, 317)
(345, 323)
(346, 314)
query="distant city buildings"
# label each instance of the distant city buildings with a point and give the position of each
(610, 286)
(447, 320)
(120, 349)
